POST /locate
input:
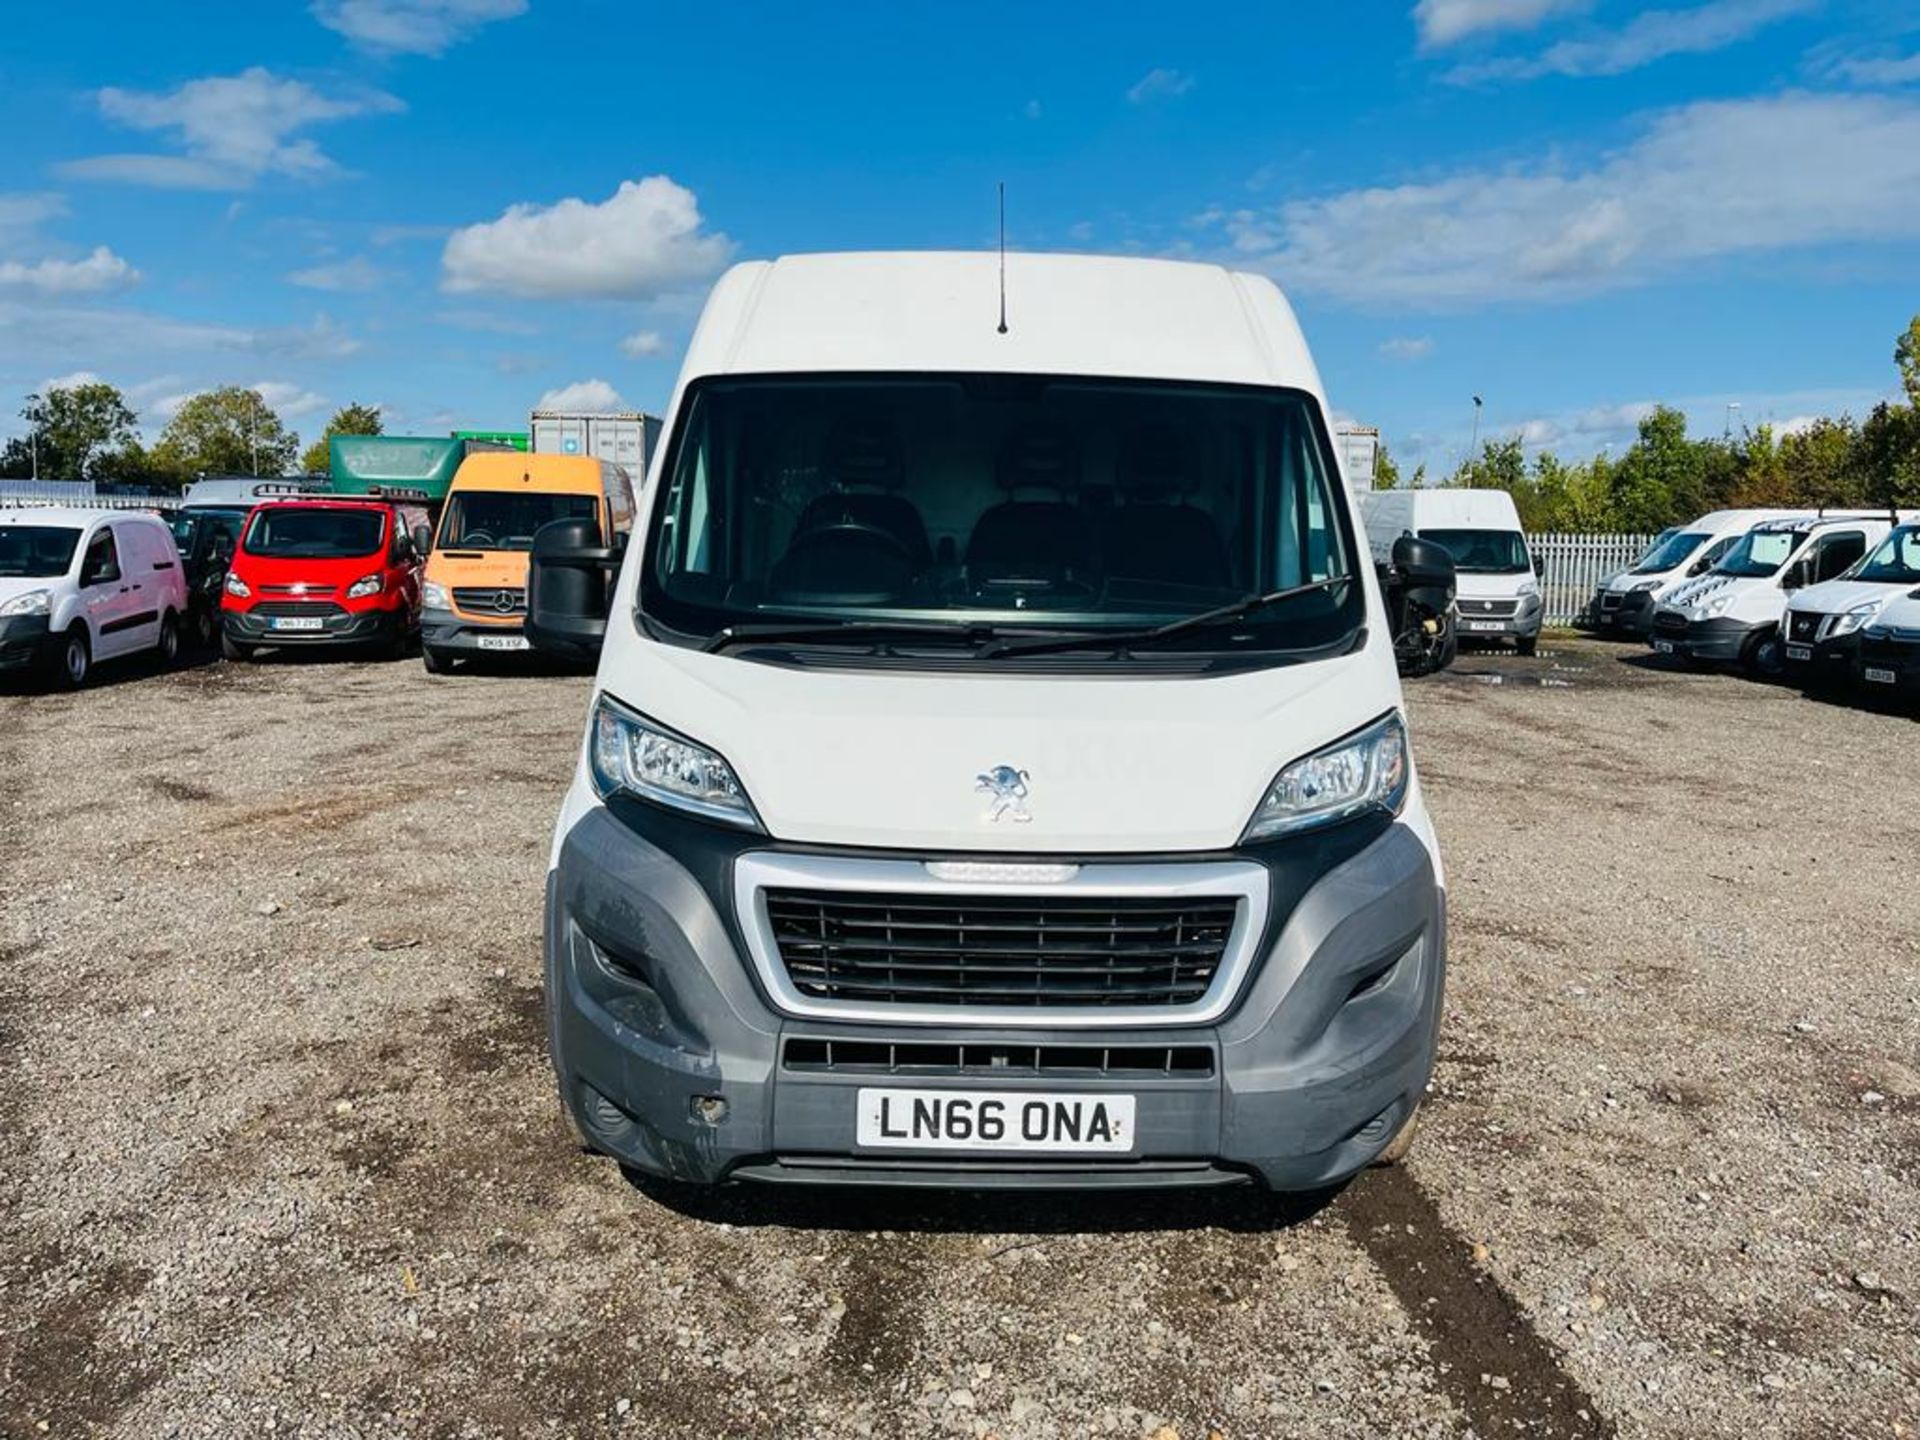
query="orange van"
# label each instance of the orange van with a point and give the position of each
(474, 592)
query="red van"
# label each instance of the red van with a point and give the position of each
(326, 570)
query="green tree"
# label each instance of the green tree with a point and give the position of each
(1660, 477)
(1818, 463)
(353, 419)
(1386, 474)
(230, 431)
(73, 427)
(1887, 456)
(1906, 354)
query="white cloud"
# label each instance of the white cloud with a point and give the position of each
(1442, 22)
(102, 270)
(582, 395)
(67, 382)
(1709, 180)
(643, 343)
(645, 239)
(1407, 347)
(233, 130)
(1159, 84)
(22, 214)
(288, 399)
(1869, 70)
(412, 27)
(354, 275)
(322, 340)
(1652, 35)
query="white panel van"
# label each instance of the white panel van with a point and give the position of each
(80, 586)
(1623, 604)
(1499, 590)
(996, 774)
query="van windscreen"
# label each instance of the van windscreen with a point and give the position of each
(1484, 552)
(1012, 501)
(1896, 561)
(1671, 551)
(300, 532)
(507, 519)
(37, 552)
(1760, 553)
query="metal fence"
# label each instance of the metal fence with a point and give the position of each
(1571, 565)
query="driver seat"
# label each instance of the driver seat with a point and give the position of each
(864, 464)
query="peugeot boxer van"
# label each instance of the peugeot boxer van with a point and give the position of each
(1732, 614)
(474, 596)
(81, 586)
(996, 773)
(1623, 604)
(1823, 625)
(1499, 593)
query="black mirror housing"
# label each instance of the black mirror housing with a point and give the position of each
(1425, 571)
(570, 578)
(422, 540)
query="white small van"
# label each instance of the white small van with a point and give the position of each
(1499, 595)
(1824, 621)
(80, 586)
(996, 774)
(1889, 658)
(1623, 604)
(1733, 613)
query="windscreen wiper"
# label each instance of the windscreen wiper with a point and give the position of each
(730, 637)
(1121, 639)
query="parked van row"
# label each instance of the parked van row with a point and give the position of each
(1823, 597)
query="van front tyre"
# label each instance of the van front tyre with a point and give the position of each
(71, 660)
(1528, 646)
(233, 649)
(437, 662)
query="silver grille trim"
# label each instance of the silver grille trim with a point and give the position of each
(1243, 881)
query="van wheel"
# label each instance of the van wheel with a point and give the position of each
(1762, 659)
(437, 662)
(73, 659)
(1401, 1143)
(1528, 646)
(234, 649)
(206, 629)
(168, 647)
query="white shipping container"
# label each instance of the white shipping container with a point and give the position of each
(1358, 447)
(625, 438)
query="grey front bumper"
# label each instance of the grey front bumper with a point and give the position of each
(444, 630)
(654, 1014)
(1720, 639)
(1524, 624)
(23, 640)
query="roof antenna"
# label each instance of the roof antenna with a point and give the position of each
(1003, 257)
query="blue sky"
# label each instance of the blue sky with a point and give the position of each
(453, 208)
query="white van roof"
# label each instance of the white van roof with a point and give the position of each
(1066, 315)
(76, 516)
(1436, 507)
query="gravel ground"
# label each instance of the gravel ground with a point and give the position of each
(281, 1153)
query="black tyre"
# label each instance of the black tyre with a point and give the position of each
(167, 648)
(1761, 657)
(234, 649)
(437, 662)
(1530, 645)
(71, 659)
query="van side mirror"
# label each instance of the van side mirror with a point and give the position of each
(1424, 571)
(422, 540)
(1797, 575)
(570, 579)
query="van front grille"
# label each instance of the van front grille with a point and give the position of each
(1010, 950)
(889, 1057)
(326, 610)
(1669, 623)
(1803, 625)
(491, 599)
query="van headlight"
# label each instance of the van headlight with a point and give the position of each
(633, 756)
(1853, 619)
(34, 602)
(433, 595)
(1644, 585)
(366, 585)
(237, 586)
(1369, 770)
(1527, 587)
(1716, 606)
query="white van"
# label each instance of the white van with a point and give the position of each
(1824, 621)
(1499, 595)
(1889, 658)
(1623, 604)
(996, 773)
(78, 586)
(1732, 614)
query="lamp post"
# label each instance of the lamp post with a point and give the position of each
(1732, 405)
(1474, 449)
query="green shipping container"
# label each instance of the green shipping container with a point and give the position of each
(357, 463)
(511, 439)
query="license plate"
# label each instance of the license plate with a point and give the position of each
(504, 642)
(1663, 647)
(1799, 652)
(1484, 626)
(296, 622)
(995, 1120)
(1879, 676)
